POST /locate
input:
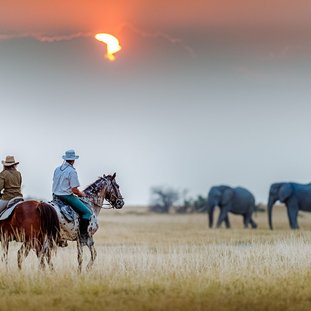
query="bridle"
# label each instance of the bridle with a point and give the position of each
(113, 194)
(94, 197)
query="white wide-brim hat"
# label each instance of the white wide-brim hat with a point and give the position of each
(9, 161)
(70, 155)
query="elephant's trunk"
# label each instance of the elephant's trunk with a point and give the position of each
(210, 211)
(270, 205)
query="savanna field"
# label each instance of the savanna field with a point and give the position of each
(171, 262)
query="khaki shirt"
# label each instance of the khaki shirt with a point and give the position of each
(10, 184)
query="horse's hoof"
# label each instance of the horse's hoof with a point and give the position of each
(87, 242)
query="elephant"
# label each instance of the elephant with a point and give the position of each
(295, 196)
(237, 200)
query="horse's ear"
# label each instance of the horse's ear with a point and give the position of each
(104, 175)
(113, 176)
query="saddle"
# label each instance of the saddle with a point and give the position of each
(69, 222)
(10, 207)
(14, 201)
(66, 210)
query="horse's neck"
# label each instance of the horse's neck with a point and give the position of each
(99, 201)
(96, 209)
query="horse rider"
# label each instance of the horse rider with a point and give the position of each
(65, 188)
(10, 182)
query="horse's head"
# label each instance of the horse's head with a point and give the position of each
(105, 188)
(113, 195)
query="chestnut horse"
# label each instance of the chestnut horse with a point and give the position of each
(35, 224)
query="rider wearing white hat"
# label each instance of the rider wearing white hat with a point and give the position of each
(10, 182)
(65, 187)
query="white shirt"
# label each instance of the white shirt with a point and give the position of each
(65, 178)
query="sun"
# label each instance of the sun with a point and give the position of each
(112, 43)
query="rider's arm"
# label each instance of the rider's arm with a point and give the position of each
(77, 192)
(74, 184)
(1, 182)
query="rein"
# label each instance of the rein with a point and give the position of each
(88, 200)
(92, 193)
(91, 200)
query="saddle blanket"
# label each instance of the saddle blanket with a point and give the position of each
(69, 221)
(10, 207)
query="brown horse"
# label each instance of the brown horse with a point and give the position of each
(35, 224)
(38, 226)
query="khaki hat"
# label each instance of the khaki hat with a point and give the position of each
(9, 161)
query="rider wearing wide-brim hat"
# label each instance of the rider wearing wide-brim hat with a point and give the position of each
(65, 188)
(10, 182)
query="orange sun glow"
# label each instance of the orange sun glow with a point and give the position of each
(112, 42)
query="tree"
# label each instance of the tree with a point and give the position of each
(163, 199)
(190, 205)
(200, 204)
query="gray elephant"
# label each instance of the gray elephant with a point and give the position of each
(234, 200)
(295, 196)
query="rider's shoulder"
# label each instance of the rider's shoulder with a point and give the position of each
(4, 173)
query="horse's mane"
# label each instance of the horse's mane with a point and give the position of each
(97, 185)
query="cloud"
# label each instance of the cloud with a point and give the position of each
(46, 38)
(72, 36)
(159, 35)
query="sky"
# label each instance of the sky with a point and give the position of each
(202, 93)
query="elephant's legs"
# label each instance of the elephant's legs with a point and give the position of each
(211, 218)
(227, 222)
(222, 216)
(292, 212)
(289, 219)
(253, 224)
(245, 220)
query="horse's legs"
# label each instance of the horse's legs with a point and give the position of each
(40, 252)
(48, 254)
(5, 248)
(41, 256)
(22, 253)
(21, 256)
(80, 255)
(93, 256)
(44, 253)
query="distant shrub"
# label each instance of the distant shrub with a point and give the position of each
(261, 208)
(163, 199)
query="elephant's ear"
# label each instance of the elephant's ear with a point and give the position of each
(226, 196)
(285, 192)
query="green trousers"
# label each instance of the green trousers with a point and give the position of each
(76, 204)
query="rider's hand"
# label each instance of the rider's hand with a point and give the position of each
(77, 192)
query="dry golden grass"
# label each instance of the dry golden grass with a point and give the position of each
(172, 262)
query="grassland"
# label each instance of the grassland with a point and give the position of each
(172, 262)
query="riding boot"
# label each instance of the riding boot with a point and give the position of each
(84, 223)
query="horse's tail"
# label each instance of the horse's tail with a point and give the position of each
(49, 221)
